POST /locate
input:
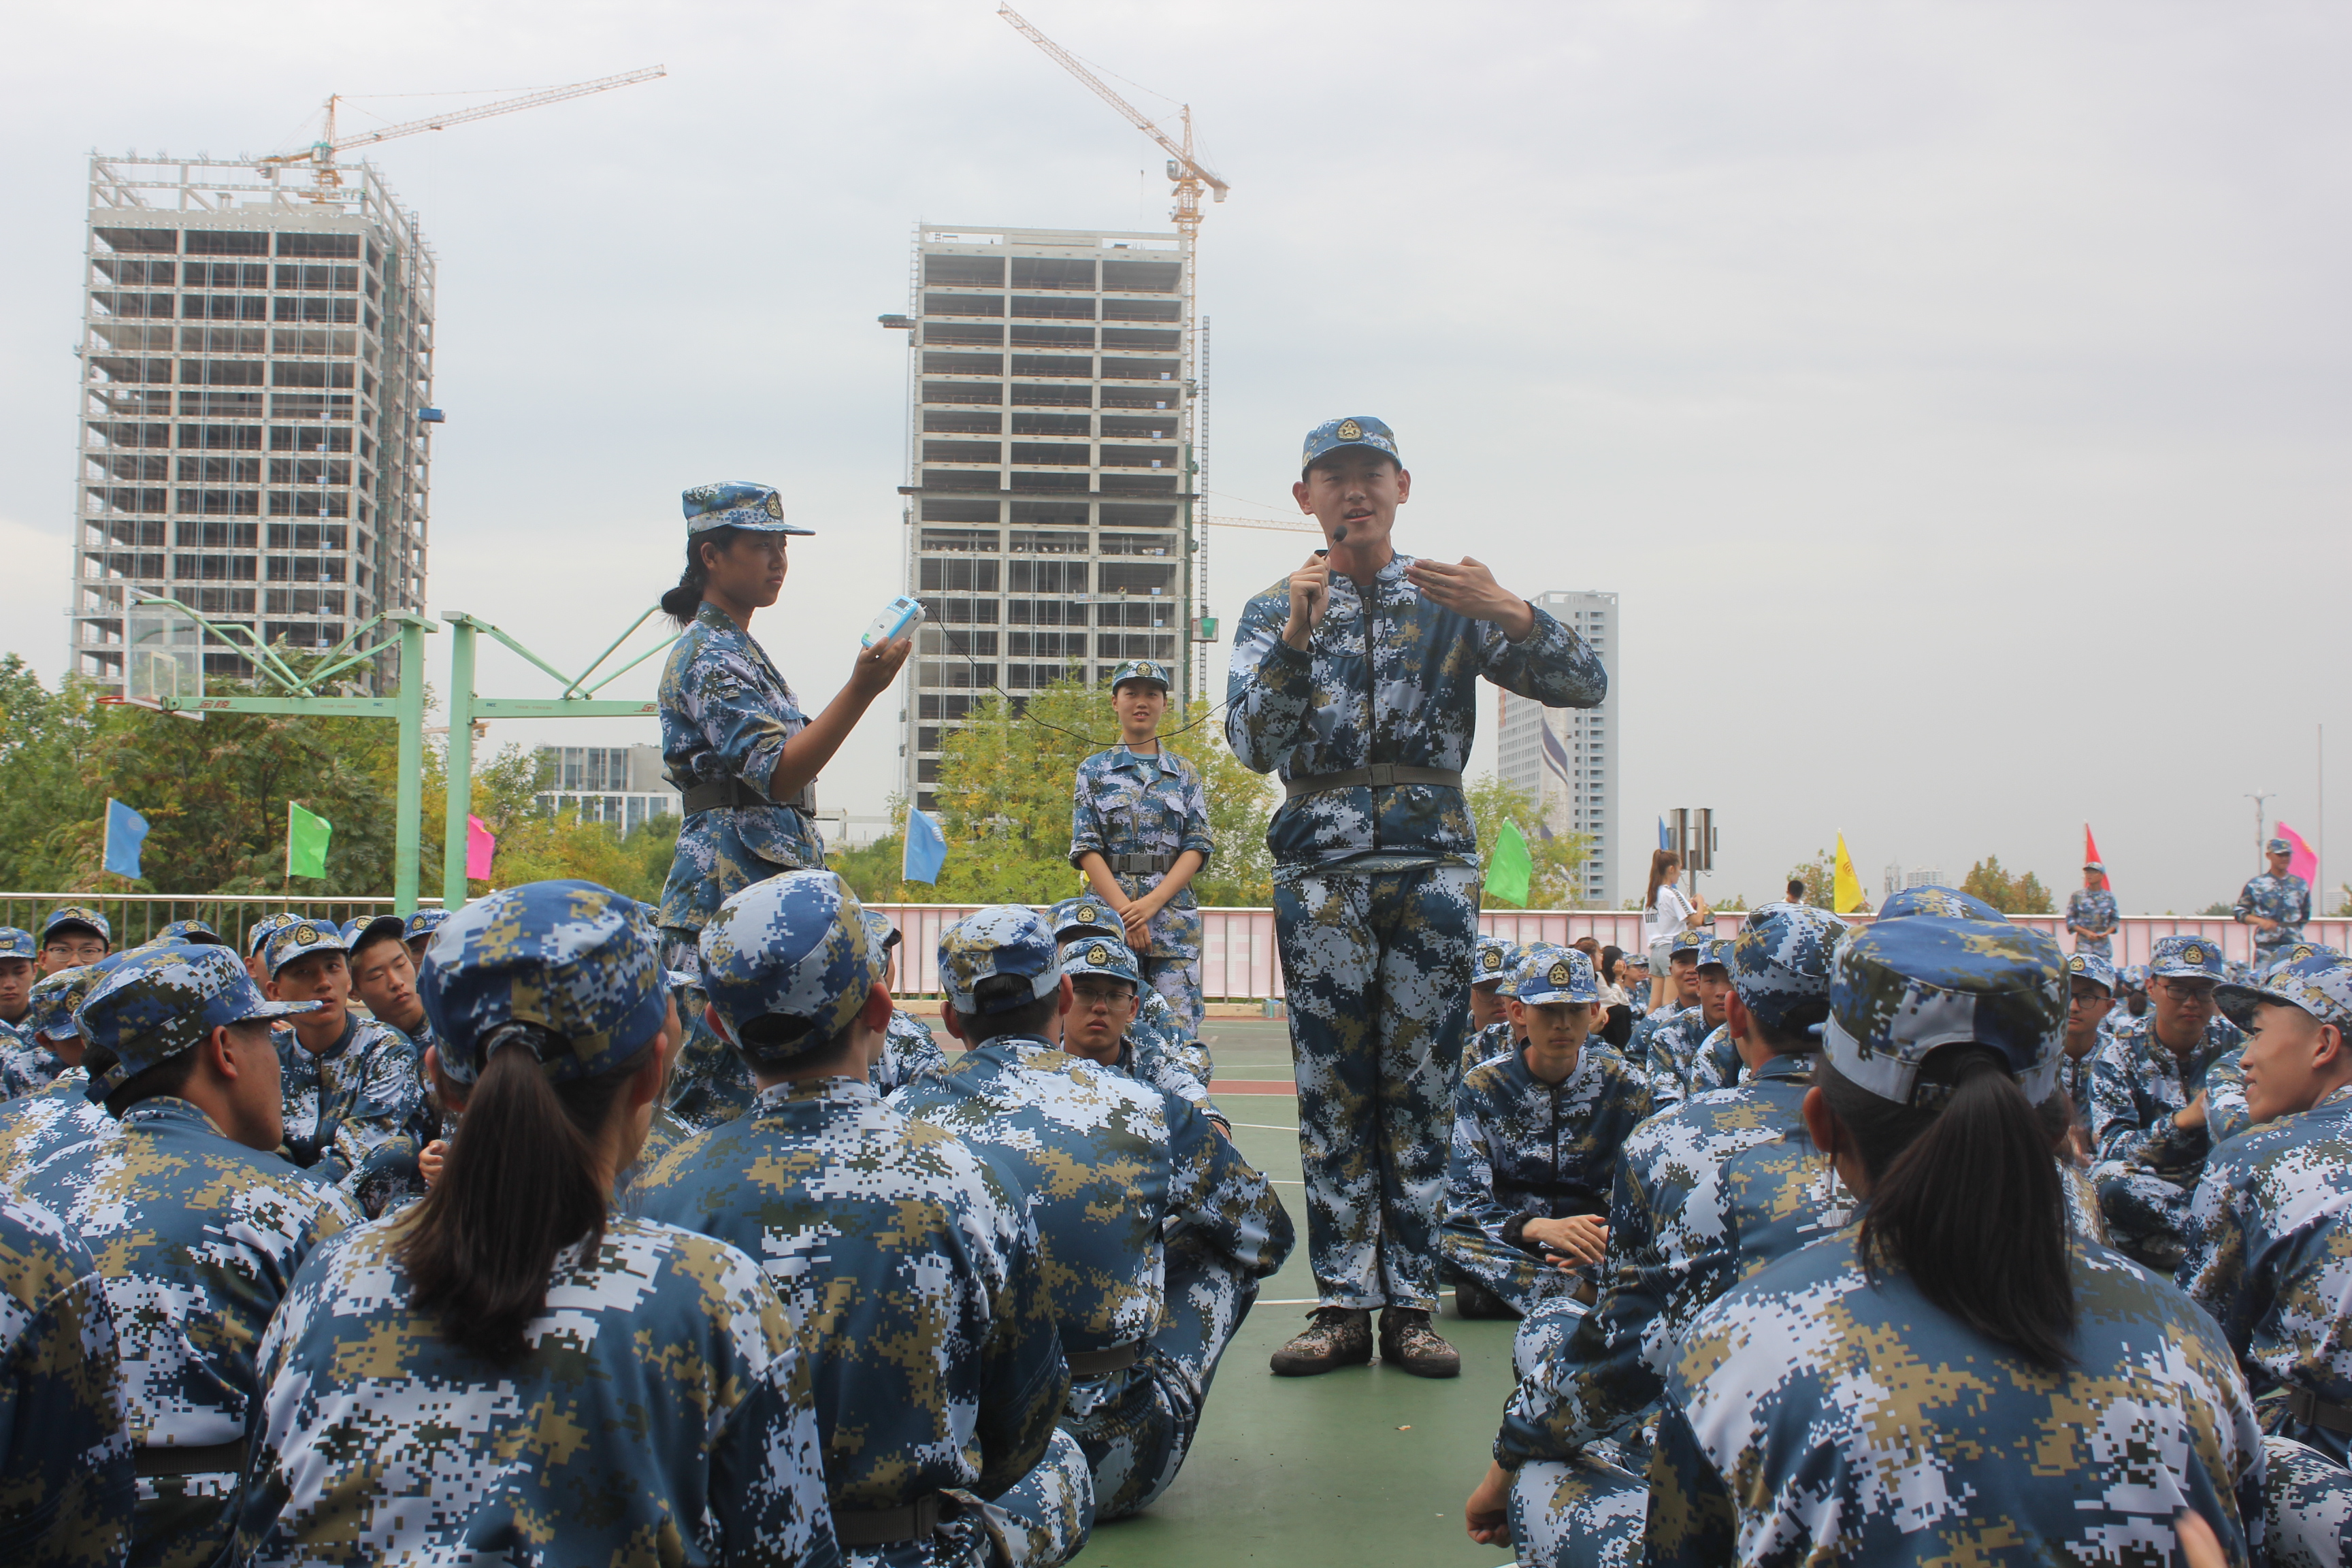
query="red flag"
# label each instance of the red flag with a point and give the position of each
(2091, 857)
(2303, 860)
(481, 847)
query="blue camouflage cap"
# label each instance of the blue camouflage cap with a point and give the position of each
(1008, 939)
(736, 503)
(264, 929)
(1360, 431)
(1690, 939)
(350, 929)
(881, 936)
(1101, 955)
(1511, 963)
(1904, 989)
(1715, 952)
(2321, 985)
(17, 942)
(575, 959)
(1930, 900)
(1549, 973)
(2092, 967)
(162, 1001)
(54, 997)
(196, 933)
(2295, 953)
(2186, 958)
(298, 937)
(1490, 960)
(424, 923)
(2278, 846)
(1142, 669)
(77, 915)
(1781, 960)
(793, 948)
(1086, 912)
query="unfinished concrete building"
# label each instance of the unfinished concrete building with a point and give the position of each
(254, 404)
(1566, 758)
(1049, 433)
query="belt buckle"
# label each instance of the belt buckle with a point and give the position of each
(1383, 775)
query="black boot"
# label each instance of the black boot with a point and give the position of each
(1408, 1341)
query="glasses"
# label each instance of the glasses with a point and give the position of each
(1092, 996)
(79, 952)
(2189, 990)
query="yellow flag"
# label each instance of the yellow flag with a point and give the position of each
(1845, 889)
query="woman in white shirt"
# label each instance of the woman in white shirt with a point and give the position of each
(1666, 912)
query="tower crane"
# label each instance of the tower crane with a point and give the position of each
(1186, 173)
(326, 179)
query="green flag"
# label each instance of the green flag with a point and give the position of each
(306, 842)
(1509, 867)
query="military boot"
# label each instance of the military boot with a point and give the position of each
(1408, 1342)
(1473, 1299)
(1340, 1336)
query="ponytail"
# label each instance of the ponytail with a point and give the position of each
(1965, 1199)
(521, 1182)
(682, 603)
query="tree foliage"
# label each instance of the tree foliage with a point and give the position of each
(2012, 893)
(1820, 878)
(1556, 858)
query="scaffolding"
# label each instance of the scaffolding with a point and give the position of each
(253, 407)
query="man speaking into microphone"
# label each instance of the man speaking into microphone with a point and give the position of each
(1356, 679)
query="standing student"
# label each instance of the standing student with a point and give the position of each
(1140, 831)
(1356, 679)
(1667, 909)
(740, 749)
(2276, 903)
(2090, 913)
(569, 1385)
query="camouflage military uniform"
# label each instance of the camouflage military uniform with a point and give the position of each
(1141, 1054)
(1125, 805)
(1715, 1063)
(664, 1414)
(35, 1126)
(355, 1112)
(1491, 1044)
(2144, 1166)
(918, 1287)
(1673, 1043)
(26, 1062)
(1088, 915)
(2308, 1507)
(1155, 1231)
(2286, 900)
(1376, 893)
(1524, 1149)
(2094, 908)
(66, 1481)
(909, 1051)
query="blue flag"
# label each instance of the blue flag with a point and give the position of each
(927, 851)
(126, 831)
(1665, 841)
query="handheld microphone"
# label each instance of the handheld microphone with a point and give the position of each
(1339, 534)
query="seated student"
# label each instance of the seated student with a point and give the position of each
(1112, 1167)
(417, 932)
(36, 1124)
(2149, 1130)
(67, 1485)
(1786, 1419)
(1105, 982)
(1489, 1035)
(1674, 994)
(18, 956)
(1704, 1194)
(355, 1088)
(256, 944)
(1089, 914)
(73, 935)
(1714, 1063)
(2091, 991)
(909, 1049)
(45, 1044)
(1674, 1046)
(196, 1223)
(2225, 1081)
(563, 1384)
(907, 1263)
(1534, 1150)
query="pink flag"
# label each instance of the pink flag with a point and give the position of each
(2304, 861)
(481, 844)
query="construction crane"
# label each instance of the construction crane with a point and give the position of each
(1186, 173)
(326, 180)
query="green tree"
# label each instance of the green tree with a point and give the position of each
(1820, 878)
(1552, 884)
(2010, 892)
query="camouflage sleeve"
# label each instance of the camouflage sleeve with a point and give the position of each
(1693, 1522)
(2226, 1112)
(1665, 1071)
(1023, 1376)
(767, 1473)
(1552, 664)
(1269, 686)
(1196, 817)
(1085, 826)
(2245, 906)
(2116, 1131)
(744, 731)
(2213, 1268)
(1230, 1201)
(1163, 1071)
(65, 1446)
(1471, 1231)
(371, 1150)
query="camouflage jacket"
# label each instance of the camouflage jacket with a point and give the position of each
(1105, 1162)
(2092, 914)
(2137, 1086)
(2286, 900)
(1814, 1417)
(1690, 1216)
(2074, 1081)
(26, 1065)
(1524, 1149)
(356, 1114)
(663, 1414)
(912, 1272)
(2270, 1256)
(1155, 1018)
(1386, 678)
(1143, 1058)
(726, 713)
(66, 1483)
(1673, 1043)
(198, 1238)
(909, 1051)
(1715, 1063)
(664, 1132)
(1123, 803)
(36, 1125)
(2226, 1113)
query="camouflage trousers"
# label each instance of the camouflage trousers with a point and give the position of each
(710, 1084)
(2146, 1213)
(1178, 981)
(1377, 965)
(1588, 1512)
(1543, 1334)
(1525, 1281)
(1138, 1424)
(1040, 1521)
(2306, 1506)
(184, 1522)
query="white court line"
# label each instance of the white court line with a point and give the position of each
(1266, 1126)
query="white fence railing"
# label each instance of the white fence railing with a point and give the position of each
(135, 917)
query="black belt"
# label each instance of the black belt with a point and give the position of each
(2313, 1411)
(886, 1526)
(1138, 865)
(1101, 1363)
(1379, 775)
(178, 1459)
(735, 792)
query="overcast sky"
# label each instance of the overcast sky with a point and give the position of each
(1956, 393)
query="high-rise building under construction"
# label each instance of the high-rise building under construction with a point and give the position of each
(1566, 758)
(1050, 435)
(252, 405)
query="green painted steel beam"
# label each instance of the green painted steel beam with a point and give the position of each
(561, 708)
